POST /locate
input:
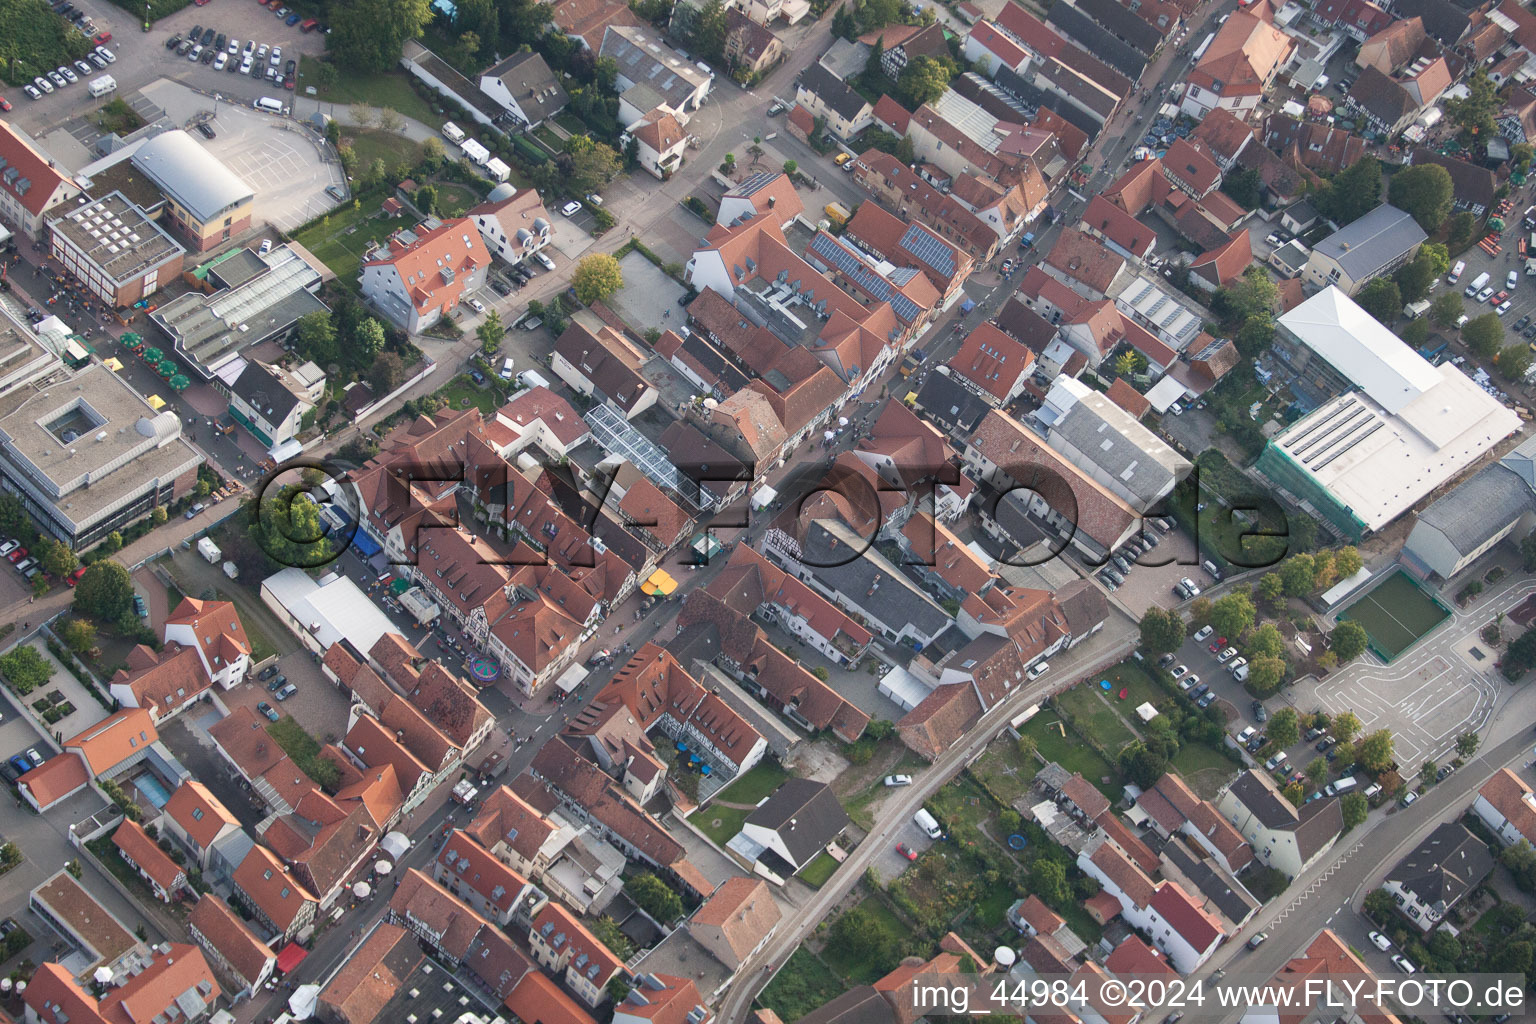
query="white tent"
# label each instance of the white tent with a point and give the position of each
(302, 1003)
(395, 844)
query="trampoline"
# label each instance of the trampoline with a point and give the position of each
(1017, 842)
(485, 670)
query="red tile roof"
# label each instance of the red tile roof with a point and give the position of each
(214, 925)
(135, 844)
(268, 885)
(55, 779)
(992, 361)
(539, 999)
(114, 740)
(744, 910)
(1185, 916)
(453, 246)
(40, 171)
(1128, 398)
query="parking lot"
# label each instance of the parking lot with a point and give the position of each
(1153, 575)
(889, 864)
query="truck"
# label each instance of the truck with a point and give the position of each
(474, 152)
(209, 550)
(1414, 310)
(1477, 285)
(837, 214)
(452, 132)
(103, 85)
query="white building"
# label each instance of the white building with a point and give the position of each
(321, 612)
(1109, 444)
(420, 278)
(525, 87)
(513, 225)
(31, 185)
(1508, 807)
(653, 76)
(1285, 837)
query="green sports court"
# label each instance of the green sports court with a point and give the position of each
(1396, 613)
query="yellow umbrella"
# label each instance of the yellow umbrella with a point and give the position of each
(156, 402)
(660, 582)
(113, 364)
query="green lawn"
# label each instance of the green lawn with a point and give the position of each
(1205, 768)
(803, 984)
(372, 144)
(755, 785)
(461, 393)
(453, 199)
(341, 239)
(33, 39)
(261, 645)
(392, 90)
(720, 823)
(962, 801)
(1134, 678)
(1005, 771)
(1092, 716)
(1070, 752)
(854, 968)
(816, 873)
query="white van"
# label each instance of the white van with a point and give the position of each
(1476, 286)
(452, 132)
(1456, 271)
(269, 104)
(926, 822)
(1342, 786)
(103, 85)
(506, 369)
(532, 379)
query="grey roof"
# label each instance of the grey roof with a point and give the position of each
(1292, 256)
(643, 60)
(532, 84)
(1315, 825)
(1302, 212)
(1445, 21)
(805, 814)
(1095, 38)
(263, 392)
(1320, 824)
(1364, 246)
(1482, 507)
(861, 1005)
(1084, 605)
(190, 175)
(951, 405)
(1120, 447)
(1123, 23)
(1381, 96)
(1236, 905)
(1026, 326)
(1445, 867)
(846, 58)
(841, 97)
(115, 235)
(858, 577)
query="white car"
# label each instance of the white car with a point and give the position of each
(597, 200)
(1275, 762)
(1202, 633)
(234, 47)
(1247, 734)
(1226, 655)
(8, 547)
(277, 56)
(1187, 683)
(194, 55)
(1237, 664)
(548, 263)
(266, 246)
(506, 369)
(32, 91)
(476, 305)
(1036, 671)
(1503, 307)
(220, 61)
(43, 83)
(107, 55)
(1512, 281)
(571, 208)
(250, 48)
(69, 73)
(1403, 964)
(1176, 409)
(898, 780)
(1380, 941)
(245, 65)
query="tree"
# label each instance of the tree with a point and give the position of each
(1474, 113)
(1317, 772)
(78, 635)
(1162, 632)
(1253, 294)
(1347, 561)
(1296, 575)
(426, 199)
(1048, 880)
(13, 518)
(316, 338)
(1346, 726)
(1380, 298)
(1232, 614)
(1415, 332)
(1142, 763)
(105, 592)
(1353, 192)
(924, 80)
(1355, 808)
(1245, 187)
(362, 115)
(1466, 744)
(1348, 640)
(1374, 751)
(844, 26)
(1266, 642)
(1270, 589)
(386, 373)
(1463, 229)
(332, 128)
(286, 525)
(709, 29)
(57, 559)
(873, 76)
(1380, 905)
(1514, 361)
(1444, 311)
(1484, 335)
(1284, 728)
(790, 167)
(587, 165)
(490, 333)
(875, 14)
(1522, 652)
(1425, 192)
(597, 277)
(40, 585)
(24, 669)
(1427, 772)
(1520, 858)
(906, 150)
(369, 336)
(392, 121)
(654, 897)
(1294, 793)
(1200, 610)
(368, 35)
(861, 935)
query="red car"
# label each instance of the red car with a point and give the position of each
(1217, 644)
(288, 83)
(74, 577)
(5, 104)
(308, 24)
(16, 556)
(906, 851)
(102, 38)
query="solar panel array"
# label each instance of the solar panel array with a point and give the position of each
(615, 436)
(932, 251)
(861, 274)
(753, 184)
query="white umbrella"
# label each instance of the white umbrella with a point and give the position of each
(828, 435)
(842, 421)
(361, 890)
(383, 867)
(6, 984)
(102, 975)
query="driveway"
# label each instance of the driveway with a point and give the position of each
(187, 737)
(889, 864)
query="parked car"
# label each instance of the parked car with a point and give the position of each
(1380, 941)
(1179, 671)
(906, 851)
(268, 710)
(1407, 798)
(73, 578)
(268, 672)
(1275, 761)
(286, 692)
(1202, 633)
(898, 780)
(1257, 940)
(1260, 712)
(277, 684)
(1206, 701)
(571, 208)
(21, 764)
(16, 555)
(140, 608)
(1403, 964)
(8, 547)
(34, 757)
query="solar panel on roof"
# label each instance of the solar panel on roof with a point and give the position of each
(930, 250)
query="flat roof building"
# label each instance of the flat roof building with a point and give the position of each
(1497, 501)
(1405, 427)
(207, 202)
(257, 298)
(88, 455)
(325, 611)
(1370, 247)
(115, 250)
